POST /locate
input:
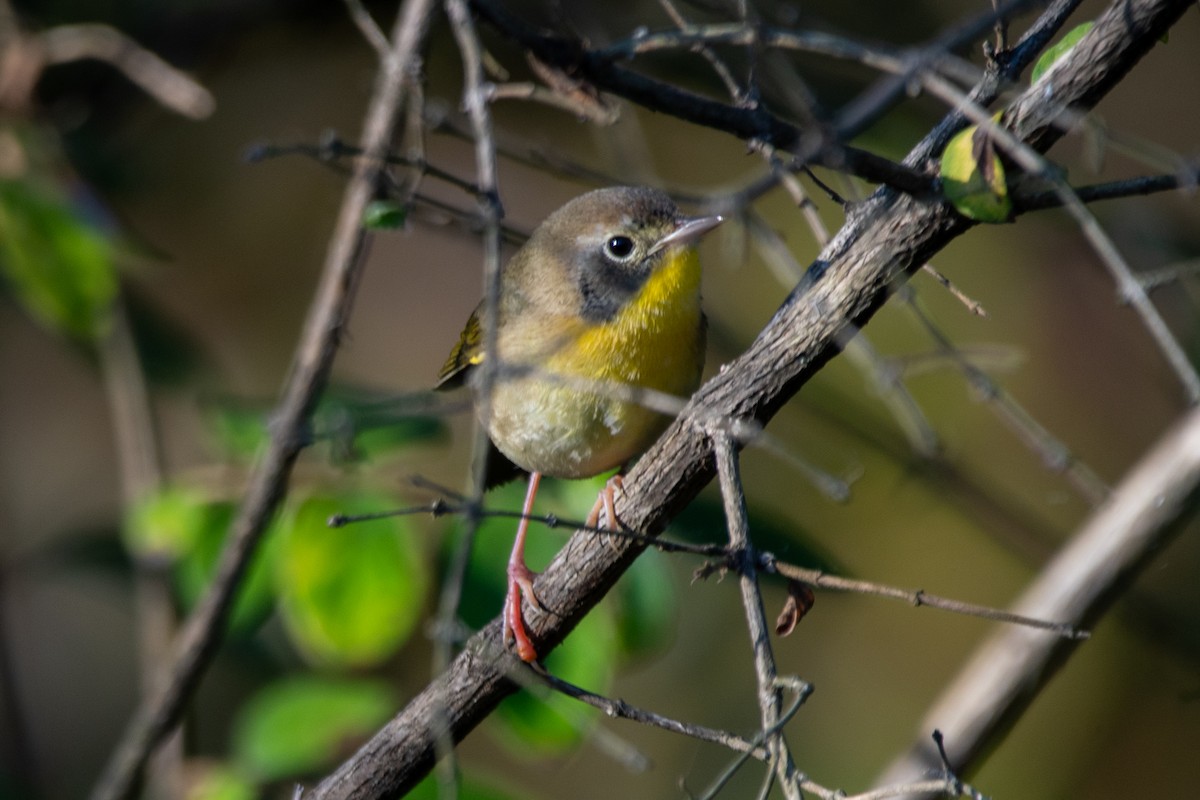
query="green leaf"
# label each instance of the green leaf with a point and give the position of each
(384, 214)
(60, 267)
(352, 595)
(196, 568)
(220, 782)
(167, 524)
(302, 725)
(973, 176)
(1057, 51)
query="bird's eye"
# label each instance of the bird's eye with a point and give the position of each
(619, 248)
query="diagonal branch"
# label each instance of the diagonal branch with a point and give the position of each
(1006, 672)
(886, 239)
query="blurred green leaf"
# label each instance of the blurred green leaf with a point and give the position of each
(383, 214)
(471, 787)
(167, 523)
(195, 569)
(349, 596)
(1057, 51)
(547, 723)
(364, 426)
(240, 432)
(220, 782)
(645, 606)
(973, 176)
(301, 725)
(59, 266)
(357, 427)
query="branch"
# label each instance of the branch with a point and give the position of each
(159, 712)
(770, 697)
(1007, 672)
(751, 123)
(166, 84)
(886, 239)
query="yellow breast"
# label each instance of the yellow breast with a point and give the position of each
(656, 341)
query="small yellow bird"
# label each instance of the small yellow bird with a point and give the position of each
(606, 292)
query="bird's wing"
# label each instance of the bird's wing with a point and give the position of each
(467, 353)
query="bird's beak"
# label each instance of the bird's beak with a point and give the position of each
(689, 231)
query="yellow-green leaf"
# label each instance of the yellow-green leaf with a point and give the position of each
(351, 595)
(166, 524)
(219, 782)
(973, 176)
(1057, 51)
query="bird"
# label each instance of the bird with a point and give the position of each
(602, 300)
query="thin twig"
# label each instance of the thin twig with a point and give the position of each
(770, 698)
(724, 559)
(369, 28)
(475, 100)
(619, 709)
(157, 715)
(1054, 453)
(914, 597)
(166, 84)
(140, 462)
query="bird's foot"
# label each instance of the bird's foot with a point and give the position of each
(520, 583)
(604, 502)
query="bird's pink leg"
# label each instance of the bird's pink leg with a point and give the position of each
(520, 581)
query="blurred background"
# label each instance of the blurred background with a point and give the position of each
(217, 257)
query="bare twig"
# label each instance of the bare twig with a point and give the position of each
(140, 464)
(369, 28)
(724, 557)
(475, 100)
(770, 698)
(915, 597)
(166, 84)
(157, 714)
(604, 69)
(1145, 512)
(619, 709)
(1054, 454)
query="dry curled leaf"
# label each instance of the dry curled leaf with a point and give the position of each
(799, 601)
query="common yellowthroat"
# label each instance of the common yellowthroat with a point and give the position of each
(605, 292)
